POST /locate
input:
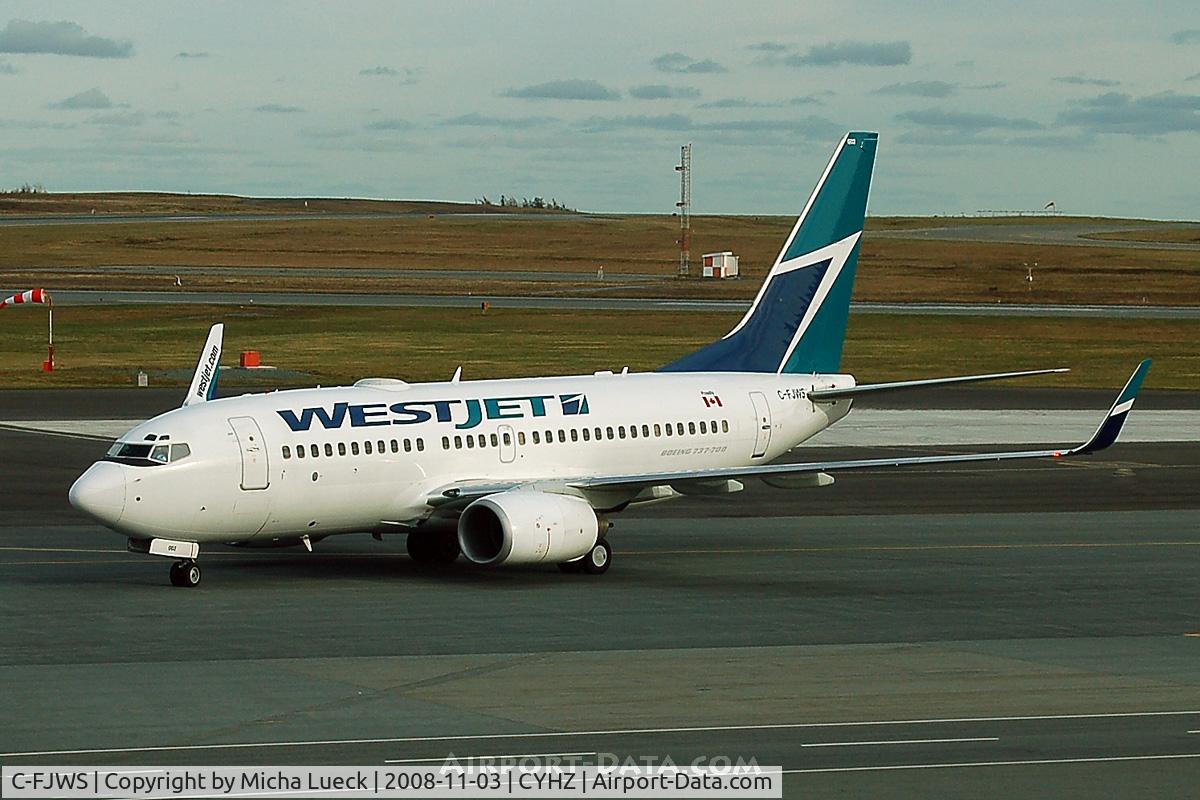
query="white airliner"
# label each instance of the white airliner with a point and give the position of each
(522, 471)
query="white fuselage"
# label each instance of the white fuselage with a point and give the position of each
(370, 457)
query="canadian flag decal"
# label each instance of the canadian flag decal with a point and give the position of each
(711, 399)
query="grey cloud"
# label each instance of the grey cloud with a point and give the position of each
(1189, 36)
(119, 119)
(866, 54)
(1080, 80)
(1117, 112)
(768, 47)
(276, 108)
(1195, 77)
(678, 62)
(91, 99)
(919, 89)
(663, 122)
(391, 124)
(59, 38)
(166, 115)
(191, 54)
(809, 99)
(987, 86)
(481, 121)
(966, 121)
(327, 133)
(660, 91)
(736, 102)
(406, 74)
(565, 90)
(7, 68)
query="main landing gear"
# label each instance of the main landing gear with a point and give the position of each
(185, 573)
(593, 562)
(438, 547)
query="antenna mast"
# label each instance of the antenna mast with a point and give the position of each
(685, 209)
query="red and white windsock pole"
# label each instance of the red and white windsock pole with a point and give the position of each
(39, 297)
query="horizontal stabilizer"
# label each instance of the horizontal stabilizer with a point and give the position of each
(819, 395)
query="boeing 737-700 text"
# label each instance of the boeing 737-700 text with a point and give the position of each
(523, 471)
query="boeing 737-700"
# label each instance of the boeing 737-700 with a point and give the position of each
(527, 471)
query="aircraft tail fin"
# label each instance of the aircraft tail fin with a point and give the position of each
(204, 380)
(797, 323)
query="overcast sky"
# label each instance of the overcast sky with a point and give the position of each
(1092, 105)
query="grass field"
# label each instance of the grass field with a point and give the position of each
(100, 346)
(890, 269)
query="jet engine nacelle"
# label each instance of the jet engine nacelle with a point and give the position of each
(523, 526)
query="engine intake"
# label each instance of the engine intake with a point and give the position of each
(523, 526)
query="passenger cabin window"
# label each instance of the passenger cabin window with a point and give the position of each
(537, 439)
(574, 435)
(679, 428)
(354, 448)
(299, 451)
(657, 429)
(445, 442)
(724, 426)
(341, 448)
(328, 449)
(562, 436)
(587, 434)
(420, 445)
(703, 426)
(316, 452)
(521, 438)
(287, 452)
(367, 447)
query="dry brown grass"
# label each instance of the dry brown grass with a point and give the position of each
(1173, 235)
(890, 269)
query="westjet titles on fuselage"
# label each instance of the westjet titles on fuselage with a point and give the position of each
(469, 413)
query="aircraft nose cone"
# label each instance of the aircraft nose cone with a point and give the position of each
(100, 492)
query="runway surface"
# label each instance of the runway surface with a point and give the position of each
(104, 297)
(981, 631)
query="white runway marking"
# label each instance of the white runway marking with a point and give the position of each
(902, 741)
(469, 758)
(598, 732)
(1030, 762)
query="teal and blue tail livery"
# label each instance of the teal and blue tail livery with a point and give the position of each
(797, 323)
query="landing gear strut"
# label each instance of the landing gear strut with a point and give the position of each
(440, 547)
(185, 573)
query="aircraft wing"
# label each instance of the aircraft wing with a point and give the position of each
(1107, 432)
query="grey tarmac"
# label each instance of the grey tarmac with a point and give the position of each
(84, 297)
(973, 632)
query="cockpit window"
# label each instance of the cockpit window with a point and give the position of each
(147, 455)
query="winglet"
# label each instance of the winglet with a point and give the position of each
(1110, 428)
(204, 381)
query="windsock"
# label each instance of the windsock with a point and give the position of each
(32, 296)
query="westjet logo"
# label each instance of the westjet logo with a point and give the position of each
(465, 414)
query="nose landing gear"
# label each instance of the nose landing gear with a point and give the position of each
(185, 573)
